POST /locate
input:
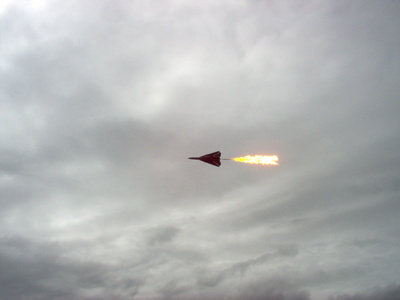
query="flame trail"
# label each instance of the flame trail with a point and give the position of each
(259, 159)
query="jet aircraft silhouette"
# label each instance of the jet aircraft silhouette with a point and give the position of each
(211, 158)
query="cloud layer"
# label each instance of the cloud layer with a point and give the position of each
(103, 101)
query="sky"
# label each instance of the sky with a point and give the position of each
(101, 103)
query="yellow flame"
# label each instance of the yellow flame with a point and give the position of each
(259, 159)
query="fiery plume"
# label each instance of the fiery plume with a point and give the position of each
(258, 159)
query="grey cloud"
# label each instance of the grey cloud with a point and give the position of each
(103, 101)
(39, 270)
(364, 242)
(210, 278)
(276, 294)
(172, 290)
(277, 289)
(162, 234)
(390, 292)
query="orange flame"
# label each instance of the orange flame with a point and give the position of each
(259, 159)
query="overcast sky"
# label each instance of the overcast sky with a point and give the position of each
(102, 101)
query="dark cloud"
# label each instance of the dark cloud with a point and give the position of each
(211, 278)
(390, 292)
(162, 235)
(275, 294)
(42, 271)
